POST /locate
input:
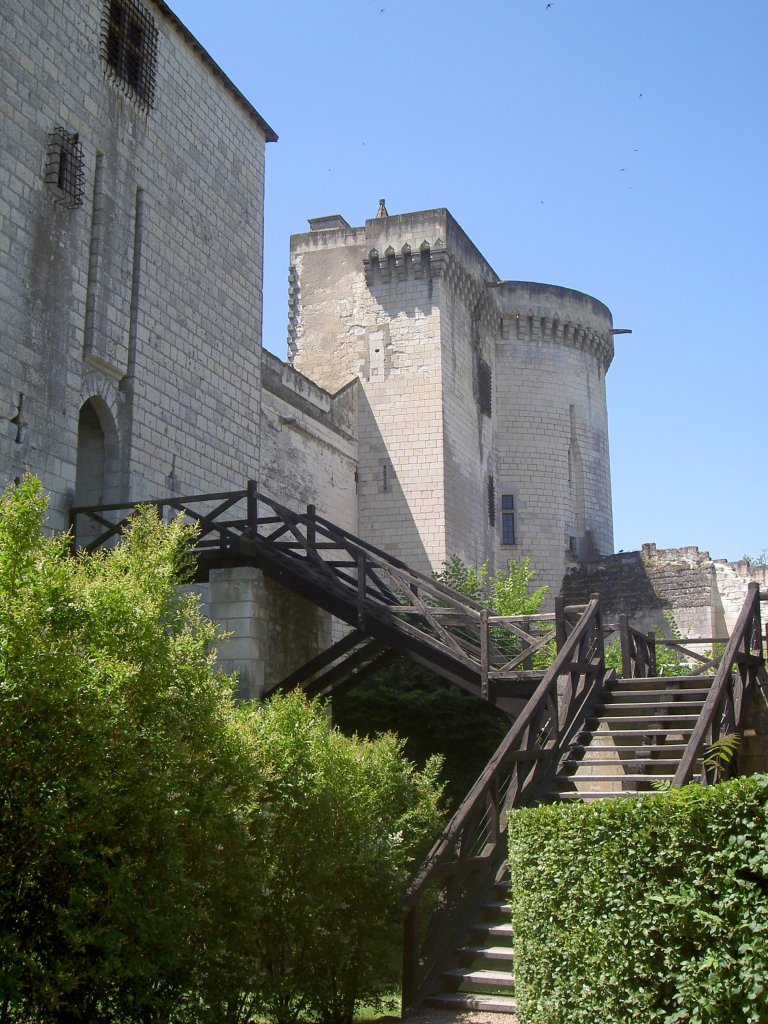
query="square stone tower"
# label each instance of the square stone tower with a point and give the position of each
(403, 305)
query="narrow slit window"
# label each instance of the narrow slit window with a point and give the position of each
(508, 519)
(491, 501)
(484, 386)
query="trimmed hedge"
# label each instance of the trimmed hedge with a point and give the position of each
(644, 910)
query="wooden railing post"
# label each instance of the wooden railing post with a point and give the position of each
(527, 662)
(560, 632)
(651, 670)
(626, 649)
(598, 631)
(361, 569)
(311, 527)
(252, 509)
(484, 654)
(410, 956)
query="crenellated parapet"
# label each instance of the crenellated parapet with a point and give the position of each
(532, 327)
(430, 263)
(393, 266)
(548, 314)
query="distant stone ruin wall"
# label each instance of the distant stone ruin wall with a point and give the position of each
(704, 596)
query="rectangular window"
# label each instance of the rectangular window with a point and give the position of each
(129, 48)
(491, 501)
(508, 519)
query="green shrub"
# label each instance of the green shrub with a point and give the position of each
(121, 778)
(644, 910)
(166, 856)
(338, 826)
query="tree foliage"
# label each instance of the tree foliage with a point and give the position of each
(504, 592)
(338, 827)
(121, 780)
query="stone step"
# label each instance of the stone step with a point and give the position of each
(611, 715)
(637, 732)
(605, 795)
(472, 1001)
(657, 696)
(612, 706)
(613, 778)
(496, 908)
(650, 682)
(487, 952)
(491, 930)
(479, 977)
(634, 760)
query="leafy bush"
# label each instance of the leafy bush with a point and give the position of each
(337, 830)
(120, 778)
(644, 910)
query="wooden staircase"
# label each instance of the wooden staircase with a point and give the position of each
(604, 738)
(482, 976)
(631, 743)
(633, 739)
(391, 608)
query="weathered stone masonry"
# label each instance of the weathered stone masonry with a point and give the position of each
(141, 306)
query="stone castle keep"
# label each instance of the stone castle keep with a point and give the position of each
(427, 405)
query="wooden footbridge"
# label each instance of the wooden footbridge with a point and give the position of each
(581, 732)
(391, 608)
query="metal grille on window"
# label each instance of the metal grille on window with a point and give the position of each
(64, 168)
(491, 501)
(508, 519)
(129, 49)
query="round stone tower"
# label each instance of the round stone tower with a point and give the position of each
(553, 474)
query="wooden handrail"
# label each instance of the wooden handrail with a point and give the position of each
(742, 659)
(250, 525)
(473, 842)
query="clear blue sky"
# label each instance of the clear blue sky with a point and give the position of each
(614, 146)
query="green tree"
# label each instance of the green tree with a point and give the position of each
(337, 829)
(122, 779)
(504, 592)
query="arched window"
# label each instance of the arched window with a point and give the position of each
(97, 461)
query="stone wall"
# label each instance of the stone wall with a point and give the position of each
(309, 449)
(146, 298)
(703, 596)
